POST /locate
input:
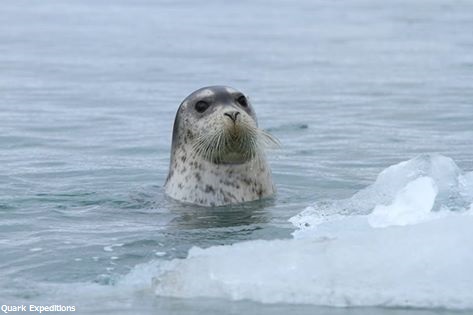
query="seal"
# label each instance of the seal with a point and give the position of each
(217, 154)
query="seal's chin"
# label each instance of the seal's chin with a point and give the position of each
(231, 144)
(236, 145)
(231, 158)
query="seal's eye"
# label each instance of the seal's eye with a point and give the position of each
(242, 101)
(201, 106)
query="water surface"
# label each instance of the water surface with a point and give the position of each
(88, 93)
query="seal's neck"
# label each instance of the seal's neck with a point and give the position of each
(194, 180)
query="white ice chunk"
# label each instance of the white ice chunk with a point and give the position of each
(424, 265)
(454, 191)
(338, 258)
(413, 204)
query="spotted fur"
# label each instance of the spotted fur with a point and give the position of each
(216, 160)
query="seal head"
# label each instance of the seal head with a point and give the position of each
(217, 154)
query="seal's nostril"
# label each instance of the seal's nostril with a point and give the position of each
(233, 115)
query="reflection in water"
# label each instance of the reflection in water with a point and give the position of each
(196, 217)
(204, 227)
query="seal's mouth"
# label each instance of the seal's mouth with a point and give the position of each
(236, 143)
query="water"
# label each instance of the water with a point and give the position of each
(88, 93)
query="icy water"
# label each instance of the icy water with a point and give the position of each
(88, 93)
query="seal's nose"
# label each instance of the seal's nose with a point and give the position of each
(233, 115)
